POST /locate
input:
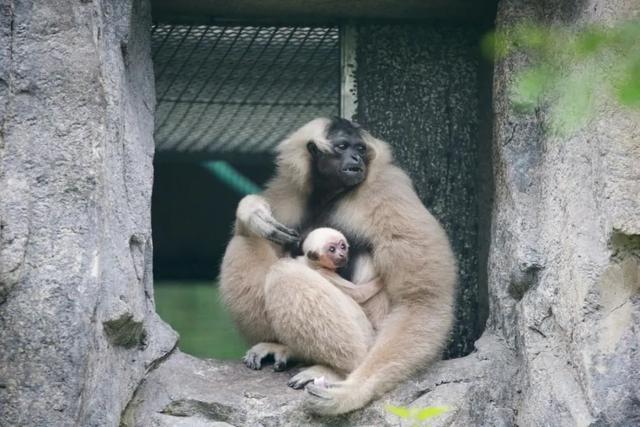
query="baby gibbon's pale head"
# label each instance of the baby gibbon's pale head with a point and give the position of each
(326, 247)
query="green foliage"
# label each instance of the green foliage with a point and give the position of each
(571, 71)
(195, 311)
(417, 415)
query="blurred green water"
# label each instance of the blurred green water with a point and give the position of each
(195, 311)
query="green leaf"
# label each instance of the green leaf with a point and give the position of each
(529, 87)
(401, 411)
(574, 105)
(494, 46)
(534, 37)
(431, 411)
(589, 41)
(628, 89)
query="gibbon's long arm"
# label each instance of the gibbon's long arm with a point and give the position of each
(360, 293)
(254, 217)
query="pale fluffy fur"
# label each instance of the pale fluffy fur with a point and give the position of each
(368, 293)
(298, 308)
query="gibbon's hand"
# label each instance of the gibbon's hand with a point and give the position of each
(255, 213)
(274, 231)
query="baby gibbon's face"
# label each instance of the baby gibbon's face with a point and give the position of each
(334, 254)
(326, 247)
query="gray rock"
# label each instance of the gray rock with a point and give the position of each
(563, 267)
(78, 329)
(81, 343)
(185, 390)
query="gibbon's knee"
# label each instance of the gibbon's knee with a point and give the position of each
(314, 319)
(242, 288)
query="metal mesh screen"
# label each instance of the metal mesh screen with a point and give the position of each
(241, 89)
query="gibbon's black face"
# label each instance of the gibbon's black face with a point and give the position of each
(346, 165)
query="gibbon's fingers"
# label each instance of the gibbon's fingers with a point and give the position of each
(284, 228)
(274, 231)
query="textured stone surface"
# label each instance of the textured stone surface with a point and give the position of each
(564, 265)
(193, 392)
(561, 344)
(418, 89)
(78, 328)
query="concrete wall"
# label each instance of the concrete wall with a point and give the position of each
(420, 87)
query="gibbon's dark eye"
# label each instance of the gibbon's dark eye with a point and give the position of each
(343, 246)
(361, 148)
(332, 249)
(341, 147)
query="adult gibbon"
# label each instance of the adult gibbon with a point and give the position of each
(331, 173)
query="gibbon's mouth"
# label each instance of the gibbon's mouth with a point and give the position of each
(341, 262)
(352, 169)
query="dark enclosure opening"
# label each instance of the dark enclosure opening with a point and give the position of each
(228, 93)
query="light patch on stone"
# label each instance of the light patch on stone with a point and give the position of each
(617, 285)
(95, 264)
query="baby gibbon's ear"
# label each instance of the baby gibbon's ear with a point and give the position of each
(313, 255)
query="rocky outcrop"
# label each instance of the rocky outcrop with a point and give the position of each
(80, 341)
(564, 267)
(185, 391)
(78, 329)
(561, 344)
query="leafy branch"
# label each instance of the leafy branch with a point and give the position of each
(417, 415)
(571, 71)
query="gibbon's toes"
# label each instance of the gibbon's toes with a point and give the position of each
(280, 360)
(319, 391)
(280, 365)
(252, 361)
(338, 398)
(320, 401)
(299, 381)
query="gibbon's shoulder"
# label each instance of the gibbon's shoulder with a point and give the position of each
(391, 181)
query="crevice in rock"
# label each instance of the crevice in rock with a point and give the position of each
(624, 245)
(125, 331)
(523, 280)
(126, 417)
(157, 362)
(136, 242)
(214, 411)
(9, 81)
(5, 282)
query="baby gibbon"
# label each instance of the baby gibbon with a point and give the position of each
(325, 250)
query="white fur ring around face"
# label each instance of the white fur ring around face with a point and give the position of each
(320, 382)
